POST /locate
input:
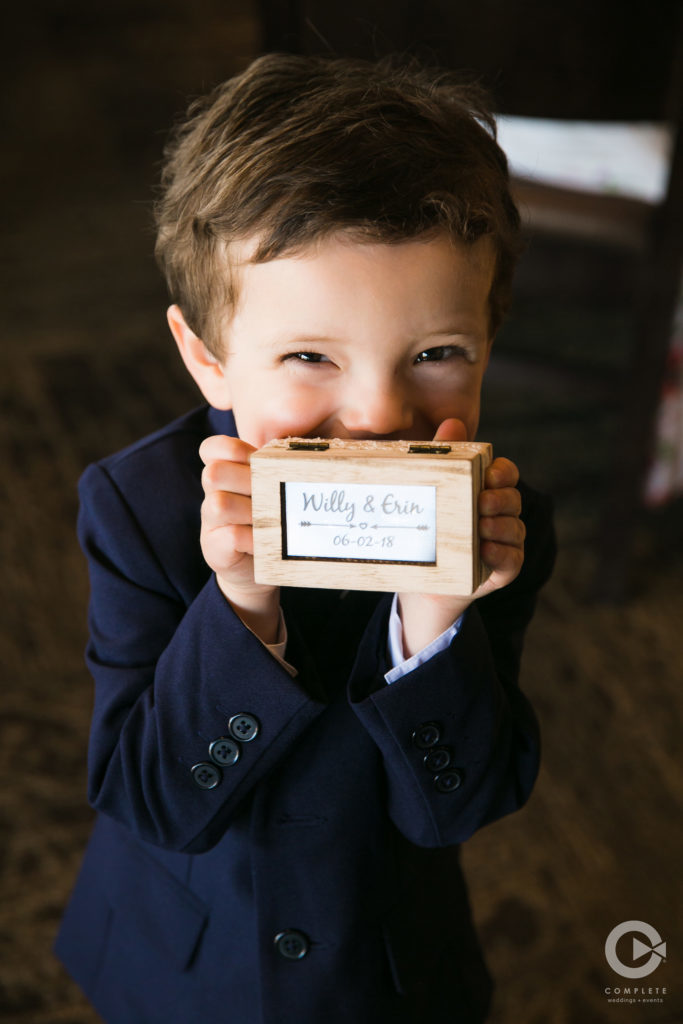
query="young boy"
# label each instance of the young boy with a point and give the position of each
(283, 776)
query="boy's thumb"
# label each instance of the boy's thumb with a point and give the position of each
(451, 430)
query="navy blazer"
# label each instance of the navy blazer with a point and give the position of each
(304, 867)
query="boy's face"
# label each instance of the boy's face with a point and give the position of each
(358, 340)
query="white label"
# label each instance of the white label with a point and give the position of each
(375, 523)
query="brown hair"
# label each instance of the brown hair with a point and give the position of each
(296, 148)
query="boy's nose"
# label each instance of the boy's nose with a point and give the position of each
(377, 409)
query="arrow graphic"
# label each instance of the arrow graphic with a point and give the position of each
(364, 526)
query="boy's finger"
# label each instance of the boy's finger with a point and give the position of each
(231, 545)
(239, 539)
(501, 473)
(220, 508)
(451, 430)
(503, 529)
(229, 449)
(220, 475)
(506, 501)
(506, 559)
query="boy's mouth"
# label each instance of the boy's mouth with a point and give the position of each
(336, 429)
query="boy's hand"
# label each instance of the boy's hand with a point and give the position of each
(227, 535)
(426, 616)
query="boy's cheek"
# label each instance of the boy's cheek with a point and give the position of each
(261, 417)
(277, 418)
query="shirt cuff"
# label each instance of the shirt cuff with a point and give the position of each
(401, 665)
(278, 648)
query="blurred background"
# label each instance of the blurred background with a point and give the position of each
(584, 392)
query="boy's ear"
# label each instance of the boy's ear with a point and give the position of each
(205, 369)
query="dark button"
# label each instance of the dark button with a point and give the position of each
(449, 781)
(224, 751)
(207, 776)
(291, 944)
(243, 727)
(427, 735)
(437, 759)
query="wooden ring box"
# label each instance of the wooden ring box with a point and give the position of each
(369, 515)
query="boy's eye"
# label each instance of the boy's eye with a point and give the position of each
(439, 353)
(308, 357)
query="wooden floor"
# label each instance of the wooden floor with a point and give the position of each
(86, 366)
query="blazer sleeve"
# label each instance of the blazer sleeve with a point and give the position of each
(459, 739)
(169, 678)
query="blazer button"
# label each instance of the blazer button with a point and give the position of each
(449, 781)
(427, 735)
(206, 775)
(291, 944)
(224, 751)
(244, 727)
(437, 759)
